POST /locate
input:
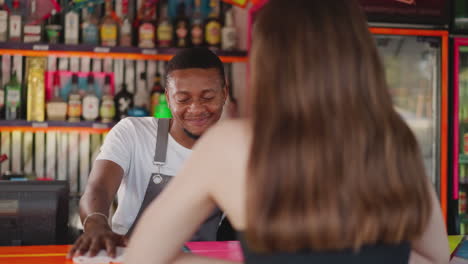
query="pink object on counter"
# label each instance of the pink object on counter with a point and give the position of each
(228, 250)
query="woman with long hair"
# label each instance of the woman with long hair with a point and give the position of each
(322, 169)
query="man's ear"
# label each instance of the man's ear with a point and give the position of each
(166, 93)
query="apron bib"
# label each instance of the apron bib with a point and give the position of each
(158, 182)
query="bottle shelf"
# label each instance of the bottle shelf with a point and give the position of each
(84, 50)
(27, 126)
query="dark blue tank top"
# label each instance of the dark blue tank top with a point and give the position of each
(381, 254)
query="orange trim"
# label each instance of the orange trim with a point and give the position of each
(129, 56)
(59, 129)
(444, 101)
(408, 32)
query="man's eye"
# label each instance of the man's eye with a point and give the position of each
(208, 98)
(183, 100)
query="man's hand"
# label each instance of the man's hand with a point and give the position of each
(98, 236)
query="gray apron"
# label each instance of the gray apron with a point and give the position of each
(158, 181)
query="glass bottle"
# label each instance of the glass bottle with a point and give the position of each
(229, 33)
(90, 102)
(107, 109)
(53, 28)
(123, 102)
(156, 92)
(213, 26)
(3, 22)
(32, 28)
(126, 26)
(12, 98)
(74, 101)
(56, 107)
(109, 27)
(15, 23)
(181, 28)
(164, 30)
(196, 30)
(90, 27)
(147, 29)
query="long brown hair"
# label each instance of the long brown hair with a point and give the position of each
(332, 165)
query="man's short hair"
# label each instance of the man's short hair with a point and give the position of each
(201, 58)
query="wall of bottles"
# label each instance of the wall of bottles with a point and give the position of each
(138, 23)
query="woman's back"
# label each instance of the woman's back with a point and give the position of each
(229, 191)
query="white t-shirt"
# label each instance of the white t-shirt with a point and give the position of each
(131, 144)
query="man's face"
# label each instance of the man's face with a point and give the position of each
(196, 98)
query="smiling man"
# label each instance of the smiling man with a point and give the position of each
(141, 154)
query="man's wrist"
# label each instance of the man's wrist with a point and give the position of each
(95, 220)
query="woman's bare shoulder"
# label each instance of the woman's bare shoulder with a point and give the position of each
(230, 132)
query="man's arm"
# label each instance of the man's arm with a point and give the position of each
(104, 181)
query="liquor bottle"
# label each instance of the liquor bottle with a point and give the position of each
(141, 95)
(15, 23)
(164, 30)
(196, 31)
(156, 92)
(90, 27)
(123, 102)
(147, 29)
(71, 27)
(126, 26)
(74, 101)
(53, 28)
(32, 28)
(3, 22)
(107, 109)
(90, 102)
(109, 27)
(181, 28)
(213, 26)
(56, 107)
(12, 98)
(229, 33)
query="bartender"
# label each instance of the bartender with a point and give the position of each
(141, 154)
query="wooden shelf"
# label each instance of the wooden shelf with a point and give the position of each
(63, 126)
(84, 50)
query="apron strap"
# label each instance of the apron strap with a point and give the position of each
(161, 141)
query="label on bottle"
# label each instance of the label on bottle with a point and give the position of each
(229, 38)
(164, 35)
(15, 26)
(146, 34)
(32, 33)
(197, 35)
(71, 28)
(2, 98)
(74, 108)
(13, 98)
(213, 33)
(90, 107)
(3, 25)
(107, 109)
(90, 33)
(109, 35)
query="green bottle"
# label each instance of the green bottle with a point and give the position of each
(162, 109)
(12, 98)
